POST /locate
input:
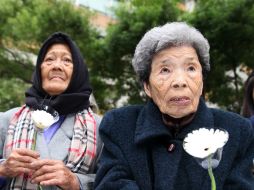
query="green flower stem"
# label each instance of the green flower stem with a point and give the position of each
(33, 148)
(34, 140)
(210, 172)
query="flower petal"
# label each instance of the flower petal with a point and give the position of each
(203, 142)
(42, 119)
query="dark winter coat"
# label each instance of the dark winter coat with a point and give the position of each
(252, 120)
(136, 155)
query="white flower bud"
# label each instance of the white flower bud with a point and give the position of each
(42, 119)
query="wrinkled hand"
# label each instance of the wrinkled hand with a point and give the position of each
(18, 162)
(54, 172)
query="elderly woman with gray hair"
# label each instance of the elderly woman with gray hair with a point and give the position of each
(171, 141)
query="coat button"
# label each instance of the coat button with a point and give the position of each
(171, 147)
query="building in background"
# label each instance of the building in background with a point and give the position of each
(187, 5)
(103, 14)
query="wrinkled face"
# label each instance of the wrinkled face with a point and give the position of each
(56, 69)
(175, 83)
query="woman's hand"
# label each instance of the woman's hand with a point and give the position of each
(18, 163)
(54, 172)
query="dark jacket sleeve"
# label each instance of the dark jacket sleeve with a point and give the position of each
(241, 176)
(252, 120)
(114, 172)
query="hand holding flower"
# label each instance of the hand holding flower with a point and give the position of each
(42, 120)
(15, 164)
(54, 172)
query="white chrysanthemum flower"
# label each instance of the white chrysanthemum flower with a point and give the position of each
(203, 142)
(42, 119)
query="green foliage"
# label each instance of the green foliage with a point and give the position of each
(228, 25)
(15, 64)
(25, 24)
(34, 21)
(113, 57)
(11, 93)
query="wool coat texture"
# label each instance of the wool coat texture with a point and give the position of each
(252, 120)
(136, 154)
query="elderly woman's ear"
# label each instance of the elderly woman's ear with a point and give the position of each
(147, 89)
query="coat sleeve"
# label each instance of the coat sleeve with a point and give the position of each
(241, 176)
(5, 118)
(2, 133)
(114, 172)
(4, 124)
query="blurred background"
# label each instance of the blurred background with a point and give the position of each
(107, 33)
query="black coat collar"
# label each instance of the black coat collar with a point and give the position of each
(150, 124)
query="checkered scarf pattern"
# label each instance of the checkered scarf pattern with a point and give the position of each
(81, 152)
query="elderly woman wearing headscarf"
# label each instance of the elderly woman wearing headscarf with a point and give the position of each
(64, 155)
(145, 146)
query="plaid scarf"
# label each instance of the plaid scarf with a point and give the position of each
(81, 152)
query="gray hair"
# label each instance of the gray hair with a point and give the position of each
(169, 35)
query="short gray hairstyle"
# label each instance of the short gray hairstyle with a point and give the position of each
(169, 35)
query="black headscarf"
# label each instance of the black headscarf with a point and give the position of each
(76, 97)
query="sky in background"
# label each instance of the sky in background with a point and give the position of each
(99, 5)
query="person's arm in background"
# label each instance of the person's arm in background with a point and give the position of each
(241, 176)
(4, 123)
(2, 179)
(3, 130)
(113, 172)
